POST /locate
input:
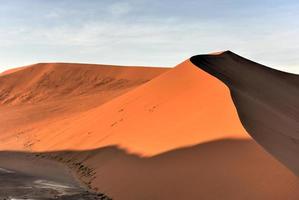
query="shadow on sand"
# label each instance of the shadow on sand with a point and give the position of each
(226, 169)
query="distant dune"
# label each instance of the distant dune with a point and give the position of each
(155, 133)
(10, 71)
(44, 82)
(48, 91)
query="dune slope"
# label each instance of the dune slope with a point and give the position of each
(267, 101)
(45, 92)
(51, 81)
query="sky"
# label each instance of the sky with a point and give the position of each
(147, 32)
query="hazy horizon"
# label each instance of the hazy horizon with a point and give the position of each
(147, 33)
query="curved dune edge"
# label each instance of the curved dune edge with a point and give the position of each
(267, 101)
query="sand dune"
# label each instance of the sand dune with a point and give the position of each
(47, 81)
(160, 134)
(46, 92)
(133, 121)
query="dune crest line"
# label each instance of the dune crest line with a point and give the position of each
(267, 101)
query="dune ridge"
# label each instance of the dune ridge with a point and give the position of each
(267, 101)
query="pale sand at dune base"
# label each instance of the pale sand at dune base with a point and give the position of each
(27, 177)
(160, 134)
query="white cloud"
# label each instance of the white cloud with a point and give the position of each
(120, 8)
(54, 14)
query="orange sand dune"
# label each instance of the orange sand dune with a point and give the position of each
(134, 120)
(51, 81)
(51, 91)
(178, 136)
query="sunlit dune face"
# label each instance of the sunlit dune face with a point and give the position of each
(34, 97)
(186, 106)
(182, 107)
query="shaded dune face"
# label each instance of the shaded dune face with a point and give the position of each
(267, 101)
(231, 169)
